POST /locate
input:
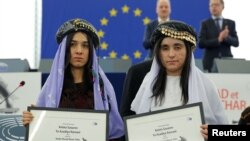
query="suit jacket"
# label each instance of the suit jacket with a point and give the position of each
(147, 36)
(208, 40)
(132, 84)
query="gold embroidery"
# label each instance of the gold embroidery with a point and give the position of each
(181, 35)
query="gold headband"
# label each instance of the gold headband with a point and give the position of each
(79, 24)
(181, 35)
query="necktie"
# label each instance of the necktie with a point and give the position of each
(217, 23)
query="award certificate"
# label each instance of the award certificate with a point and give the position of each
(58, 124)
(174, 124)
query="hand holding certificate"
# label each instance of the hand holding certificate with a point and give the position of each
(53, 124)
(173, 124)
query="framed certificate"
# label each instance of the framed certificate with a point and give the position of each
(172, 124)
(58, 124)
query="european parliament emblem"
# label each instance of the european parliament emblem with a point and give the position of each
(11, 128)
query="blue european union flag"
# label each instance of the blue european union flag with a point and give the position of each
(120, 23)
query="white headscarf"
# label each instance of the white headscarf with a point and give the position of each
(200, 89)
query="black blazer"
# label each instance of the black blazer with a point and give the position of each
(208, 40)
(147, 36)
(132, 84)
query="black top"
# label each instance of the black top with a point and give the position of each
(74, 97)
(79, 96)
(132, 83)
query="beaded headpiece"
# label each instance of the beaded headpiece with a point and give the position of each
(176, 30)
(77, 25)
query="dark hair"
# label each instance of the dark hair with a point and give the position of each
(245, 116)
(160, 81)
(87, 77)
(177, 30)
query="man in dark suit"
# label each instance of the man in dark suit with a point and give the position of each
(132, 83)
(217, 35)
(163, 10)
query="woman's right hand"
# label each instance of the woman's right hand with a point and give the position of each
(27, 117)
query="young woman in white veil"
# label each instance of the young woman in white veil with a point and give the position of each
(174, 80)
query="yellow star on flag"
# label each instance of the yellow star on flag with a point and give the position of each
(137, 12)
(137, 54)
(146, 21)
(104, 21)
(104, 46)
(112, 54)
(101, 33)
(113, 12)
(125, 57)
(125, 9)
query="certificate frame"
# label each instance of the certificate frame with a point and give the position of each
(62, 124)
(180, 123)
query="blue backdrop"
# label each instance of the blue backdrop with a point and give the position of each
(120, 23)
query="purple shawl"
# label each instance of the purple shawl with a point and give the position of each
(51, 91)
